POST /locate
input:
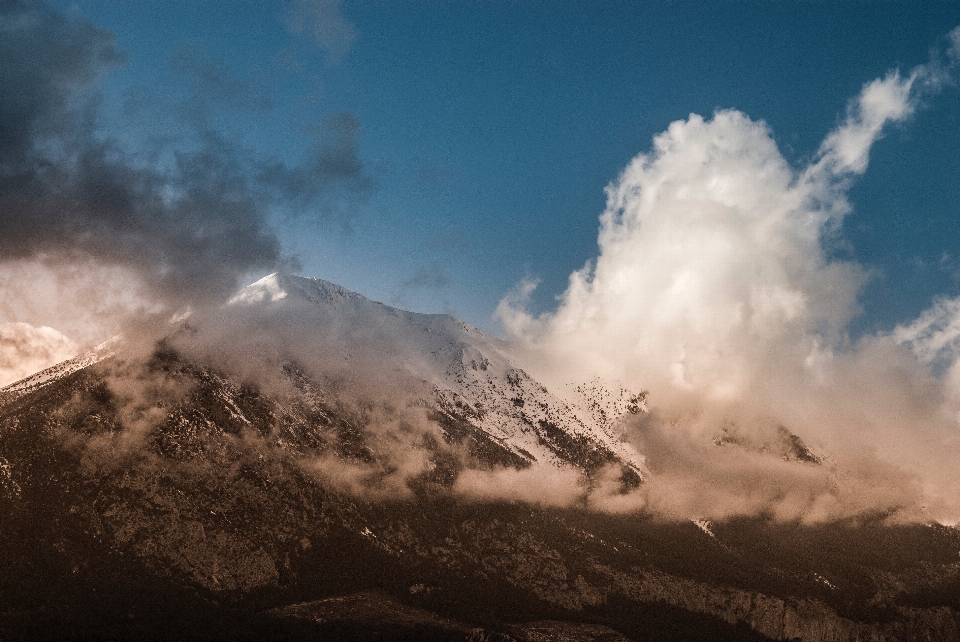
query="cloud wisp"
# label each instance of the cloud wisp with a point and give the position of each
(324, 21)
(713, 289)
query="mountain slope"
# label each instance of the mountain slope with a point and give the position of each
(57, 371)
(474, 379)
(183, 494)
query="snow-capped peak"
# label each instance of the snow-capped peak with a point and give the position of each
(279, 285)
(476, 379)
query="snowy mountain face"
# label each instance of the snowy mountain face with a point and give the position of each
(474, 380)
(474, 384)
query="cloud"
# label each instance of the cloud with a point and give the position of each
(692, 477)
(934, 336)
(25, 349)
(50, 69)
(331, 179)
(185, 216)
(710, 261)
(326, 24)
(539, 484)
(84, 299)
(846, 149)
(67, 195)
(714, 291)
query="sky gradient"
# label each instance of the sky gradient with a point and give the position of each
(432, 155)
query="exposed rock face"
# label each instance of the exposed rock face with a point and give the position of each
(161, 497)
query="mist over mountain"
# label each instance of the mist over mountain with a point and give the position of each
(306, 462)
(694, 441)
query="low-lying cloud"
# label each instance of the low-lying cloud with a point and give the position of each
(544, 485)
(25, 349)
(714, 291)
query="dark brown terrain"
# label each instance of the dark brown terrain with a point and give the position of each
(191, 514)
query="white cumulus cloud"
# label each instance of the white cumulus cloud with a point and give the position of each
(713, 290)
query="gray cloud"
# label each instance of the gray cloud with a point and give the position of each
(331, 178)
(50, 65)
(189, 218)
(64, 193)
(324, 21)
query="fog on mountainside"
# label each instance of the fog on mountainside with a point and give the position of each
(689, 446)
(712, 292)
(723, 307)
(306, 463)
(416, 385)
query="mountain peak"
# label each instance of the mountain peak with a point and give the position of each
(281, 285)
(475, 378)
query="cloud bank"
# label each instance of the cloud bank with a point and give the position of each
(714, 290)
(65, 194)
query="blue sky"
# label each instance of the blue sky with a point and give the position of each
(487, 131)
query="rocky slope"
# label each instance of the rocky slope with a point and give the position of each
(174, 495)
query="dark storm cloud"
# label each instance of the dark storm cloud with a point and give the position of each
(67, 195)
(189, 227)
(47, 63)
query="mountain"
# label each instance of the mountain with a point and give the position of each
(57, 371)
(291, 466)
(474, 381)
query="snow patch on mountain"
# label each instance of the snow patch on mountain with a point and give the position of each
(48, 375)
(475, 377)
(604, 405)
